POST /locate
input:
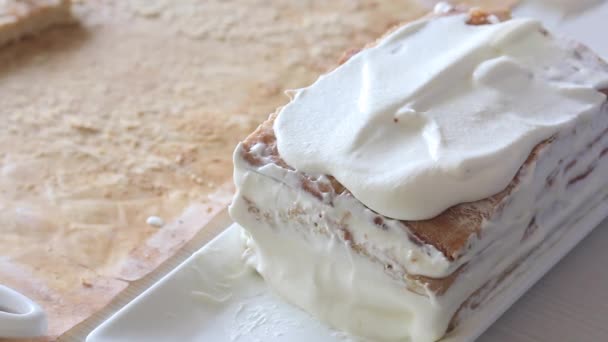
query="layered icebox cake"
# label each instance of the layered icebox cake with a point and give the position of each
(404, 189)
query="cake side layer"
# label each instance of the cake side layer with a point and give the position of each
(315, 270)
(303, 244)
(491, 289)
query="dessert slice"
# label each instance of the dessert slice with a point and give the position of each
(19, 18)
(408, 186)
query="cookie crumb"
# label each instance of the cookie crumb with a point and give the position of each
(155, 221)
(442, 8)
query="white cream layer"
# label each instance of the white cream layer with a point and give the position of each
(438, 113)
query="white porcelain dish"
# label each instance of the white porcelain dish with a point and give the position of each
(20, 317)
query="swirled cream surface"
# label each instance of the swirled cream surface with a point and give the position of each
(437, 113)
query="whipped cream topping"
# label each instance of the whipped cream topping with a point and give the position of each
(438, 113)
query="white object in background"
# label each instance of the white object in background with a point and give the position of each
(20, 317)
